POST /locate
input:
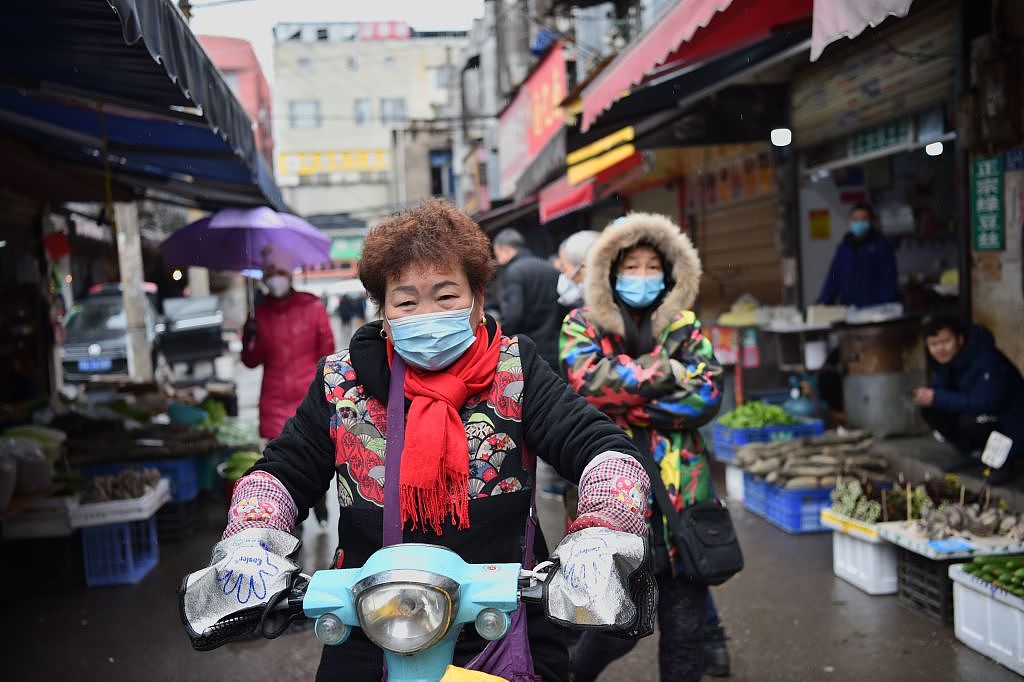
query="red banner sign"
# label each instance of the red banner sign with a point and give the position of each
(532, 119)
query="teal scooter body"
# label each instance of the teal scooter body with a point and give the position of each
(455, 592)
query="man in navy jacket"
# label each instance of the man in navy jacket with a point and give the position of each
(975, 390)
(863, 270)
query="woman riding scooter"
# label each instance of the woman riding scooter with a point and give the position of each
(479, 406)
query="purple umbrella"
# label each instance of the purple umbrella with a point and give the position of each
(247, 238)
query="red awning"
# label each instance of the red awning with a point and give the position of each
(706, 34)
(562, 198)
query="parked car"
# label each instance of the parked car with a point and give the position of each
(97, 343)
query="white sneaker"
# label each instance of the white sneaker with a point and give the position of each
(938, 436)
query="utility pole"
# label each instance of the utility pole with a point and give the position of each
(133, 292)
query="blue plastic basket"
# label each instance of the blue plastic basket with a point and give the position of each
(726, 440)
(119, 553)
(755, 494)
(182, 473)
(797, 511)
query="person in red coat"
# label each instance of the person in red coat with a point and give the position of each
(288, 336)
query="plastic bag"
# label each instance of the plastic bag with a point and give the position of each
(34, 473)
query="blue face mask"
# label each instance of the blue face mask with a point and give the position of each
(859, 228)
(639, 291)
(433, 341)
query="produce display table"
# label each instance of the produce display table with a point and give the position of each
(923, 565)
(915, 541)
(42, 515)
(120, 511)
(18, 504)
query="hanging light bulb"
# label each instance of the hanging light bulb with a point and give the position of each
(782, 137)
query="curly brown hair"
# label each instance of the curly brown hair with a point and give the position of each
(433, 234)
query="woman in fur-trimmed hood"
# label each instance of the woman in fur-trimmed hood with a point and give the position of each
(636, 351)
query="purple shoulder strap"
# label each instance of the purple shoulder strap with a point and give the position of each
(393, 452)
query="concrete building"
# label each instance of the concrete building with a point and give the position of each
(237, 61)
(345, 93)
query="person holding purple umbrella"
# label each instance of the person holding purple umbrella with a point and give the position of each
(288, 334)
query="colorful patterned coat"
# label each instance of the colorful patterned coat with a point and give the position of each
(668, 392)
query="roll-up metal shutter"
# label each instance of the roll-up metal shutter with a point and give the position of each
(739, 249)
(903, 67)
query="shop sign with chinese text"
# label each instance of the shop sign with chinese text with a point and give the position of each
(987, 230)
(531, 119)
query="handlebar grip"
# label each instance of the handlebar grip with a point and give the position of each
(227, 629)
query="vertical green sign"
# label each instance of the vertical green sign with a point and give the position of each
(987, 230)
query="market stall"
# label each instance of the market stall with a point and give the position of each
(109, 477)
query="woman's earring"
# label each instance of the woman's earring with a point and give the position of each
(383, 333)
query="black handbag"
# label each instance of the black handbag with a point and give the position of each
(702, 533)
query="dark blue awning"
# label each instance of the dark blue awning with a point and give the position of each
(130, 78)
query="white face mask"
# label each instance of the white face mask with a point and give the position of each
(278, 285)
(570, 293)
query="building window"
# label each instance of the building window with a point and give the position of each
(392, 110)
(389, 63)
(352, 64)
(304, 113)
(231, 78)
(363, 111)
(305, 65)
(321, 34)
(441, 75)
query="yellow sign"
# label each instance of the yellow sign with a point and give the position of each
(313, 163)
(600, 146)
(592, 167)
(821, 223)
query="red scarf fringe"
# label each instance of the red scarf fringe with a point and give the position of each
(434, 480)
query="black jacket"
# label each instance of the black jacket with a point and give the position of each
(529, 303)
(981, 380)
(339, 430)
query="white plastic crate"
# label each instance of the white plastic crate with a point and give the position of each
(734, 482)
(988, 619)
(867, 564)
(119, 511)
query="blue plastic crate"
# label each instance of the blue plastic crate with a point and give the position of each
(182, 473)
(755, 494)
(798, 511)
(725, 440)
(119, 553)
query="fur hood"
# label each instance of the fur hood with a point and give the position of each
(681, 261)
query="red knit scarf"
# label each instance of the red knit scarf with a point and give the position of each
(434, 480)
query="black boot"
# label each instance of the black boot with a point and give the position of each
(716, 652)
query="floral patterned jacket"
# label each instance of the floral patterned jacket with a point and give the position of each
(340, 431)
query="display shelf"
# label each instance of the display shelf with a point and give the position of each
(912, 539)
(17, 504)
(848, 526)
(119, 511)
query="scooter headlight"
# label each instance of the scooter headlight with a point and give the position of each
(405, 613)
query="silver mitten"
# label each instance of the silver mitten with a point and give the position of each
(246, 573)
(593, 584)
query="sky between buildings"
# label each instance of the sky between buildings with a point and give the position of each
(254, 20)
